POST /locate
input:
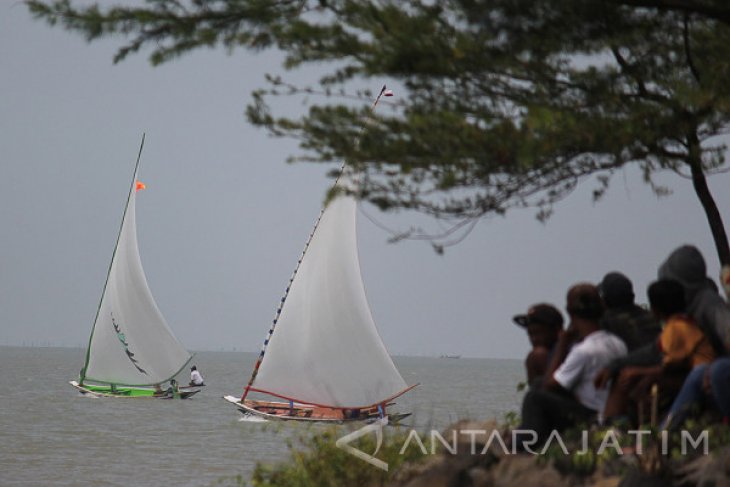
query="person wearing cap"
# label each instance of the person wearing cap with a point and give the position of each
(567, 396)
(635, 325)
(196, 379)
(543, 323)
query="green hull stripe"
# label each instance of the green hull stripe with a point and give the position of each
(121, 391)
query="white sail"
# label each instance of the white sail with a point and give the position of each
(131, 344)
(325, 348)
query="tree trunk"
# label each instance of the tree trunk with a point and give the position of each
(708, 203)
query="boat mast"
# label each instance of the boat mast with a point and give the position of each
(260, 358)
(82, 374)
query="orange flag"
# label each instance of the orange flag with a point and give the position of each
(140, 185)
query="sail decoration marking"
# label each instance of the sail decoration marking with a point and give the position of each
(123, 339)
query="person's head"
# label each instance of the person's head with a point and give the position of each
(543, 323)
(616, 290)
(666, 298)
(585, 307)
(193, 368)
(686, 265)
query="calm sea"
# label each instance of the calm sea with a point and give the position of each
(52, 435)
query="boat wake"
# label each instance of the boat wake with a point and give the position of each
(88, 396)
(252, 418)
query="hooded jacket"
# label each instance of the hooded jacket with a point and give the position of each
(704, 303)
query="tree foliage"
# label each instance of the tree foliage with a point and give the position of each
(504, 103)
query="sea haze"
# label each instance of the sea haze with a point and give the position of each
(52, 435)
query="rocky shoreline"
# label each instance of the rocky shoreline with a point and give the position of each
(472, 453)
(471, 466)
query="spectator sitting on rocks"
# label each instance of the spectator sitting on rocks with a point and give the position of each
(543, 322)
(680, 347)
(568, 396)
(712, 315)
(633, 324)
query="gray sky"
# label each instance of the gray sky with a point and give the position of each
(224, 218)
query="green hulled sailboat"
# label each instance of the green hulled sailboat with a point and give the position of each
(132, 352)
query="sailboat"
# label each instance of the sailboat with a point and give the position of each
(132, 350)
(323, 355)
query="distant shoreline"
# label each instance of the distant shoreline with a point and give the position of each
(78, 347)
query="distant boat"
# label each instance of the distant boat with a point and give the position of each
(450, 356)
(323, 355)
(132, 351)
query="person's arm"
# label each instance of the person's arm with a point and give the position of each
(721, 320)
(566, 340)
(536, 363)
(553, 385)
(644, 356)
(603, 377)
(647, 356)
(564, 379)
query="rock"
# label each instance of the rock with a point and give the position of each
(447, 471)
(410, 471)
(637, 478)
(612, 481)
(524, 471)
(706, 470)
(479, 476)
(473, 436)
(462, 467)
(469, 467)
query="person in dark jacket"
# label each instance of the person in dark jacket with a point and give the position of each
(712, 314)
(704, 303)
(680, 346)
(636, 326)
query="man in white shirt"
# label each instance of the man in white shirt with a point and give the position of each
(568, 396)
(195, 378)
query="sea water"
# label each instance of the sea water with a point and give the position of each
(52, 435)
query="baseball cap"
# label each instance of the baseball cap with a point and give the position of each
(544, 313)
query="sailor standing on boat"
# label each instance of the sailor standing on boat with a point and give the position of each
(195, 378)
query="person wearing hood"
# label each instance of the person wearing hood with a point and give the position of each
(712, 314)
(704, 303)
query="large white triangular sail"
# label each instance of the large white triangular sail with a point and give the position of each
(325, 348)
(131, 344)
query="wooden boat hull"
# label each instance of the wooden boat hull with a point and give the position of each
(283, 411)
(130, 392)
